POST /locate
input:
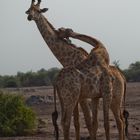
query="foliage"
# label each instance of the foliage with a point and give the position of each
(40, 78)
(132, 74)
(52, 74)
(9, 81)
(116, 63)
(15, 117)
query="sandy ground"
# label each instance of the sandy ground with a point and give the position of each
(44, 111)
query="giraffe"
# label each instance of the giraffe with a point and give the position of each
(67, 53)
(119, 83)
(90, 79)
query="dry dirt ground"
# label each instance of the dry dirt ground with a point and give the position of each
(44, 107)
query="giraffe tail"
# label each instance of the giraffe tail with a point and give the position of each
(125, 112)
(55, 116)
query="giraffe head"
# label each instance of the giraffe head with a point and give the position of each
(34, 11)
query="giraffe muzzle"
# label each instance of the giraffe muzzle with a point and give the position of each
(29, 17)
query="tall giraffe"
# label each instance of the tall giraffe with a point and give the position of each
(66, 53)
(90, 79)
(119, 83)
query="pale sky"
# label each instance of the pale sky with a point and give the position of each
(114, 22)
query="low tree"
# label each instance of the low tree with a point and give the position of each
(52, 74)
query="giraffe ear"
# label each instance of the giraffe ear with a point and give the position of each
(44, 10)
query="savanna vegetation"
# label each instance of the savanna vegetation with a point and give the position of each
(132, 74)
(46, 77)
(15, 117)
(29, 79)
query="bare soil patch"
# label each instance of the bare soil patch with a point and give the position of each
(44, 106)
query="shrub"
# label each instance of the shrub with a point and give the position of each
(15, 117)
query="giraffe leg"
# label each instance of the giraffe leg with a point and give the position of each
(76, 122)
(119, 119)
(67, 106)
(106, 105)
(86, 111)
(95, 104)
(106, 90)
(65, 121)
(124, 125)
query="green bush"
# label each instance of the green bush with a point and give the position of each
(15, 117)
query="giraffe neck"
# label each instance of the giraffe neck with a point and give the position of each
(46, 29)
(66, 53)
(92, 41)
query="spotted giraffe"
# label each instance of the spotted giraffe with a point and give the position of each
(66, 53)
(118, 84)
(90, 79)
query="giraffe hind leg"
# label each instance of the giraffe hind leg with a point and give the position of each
(95, 103)
(116, 109)
(76, 122)
(106, 106)
(87, 116)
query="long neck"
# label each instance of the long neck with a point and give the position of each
(46, 29)
(92, 41)
(66, 53)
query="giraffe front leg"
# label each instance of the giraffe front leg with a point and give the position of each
(68, 107)
(65, 121)
(86, 111)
